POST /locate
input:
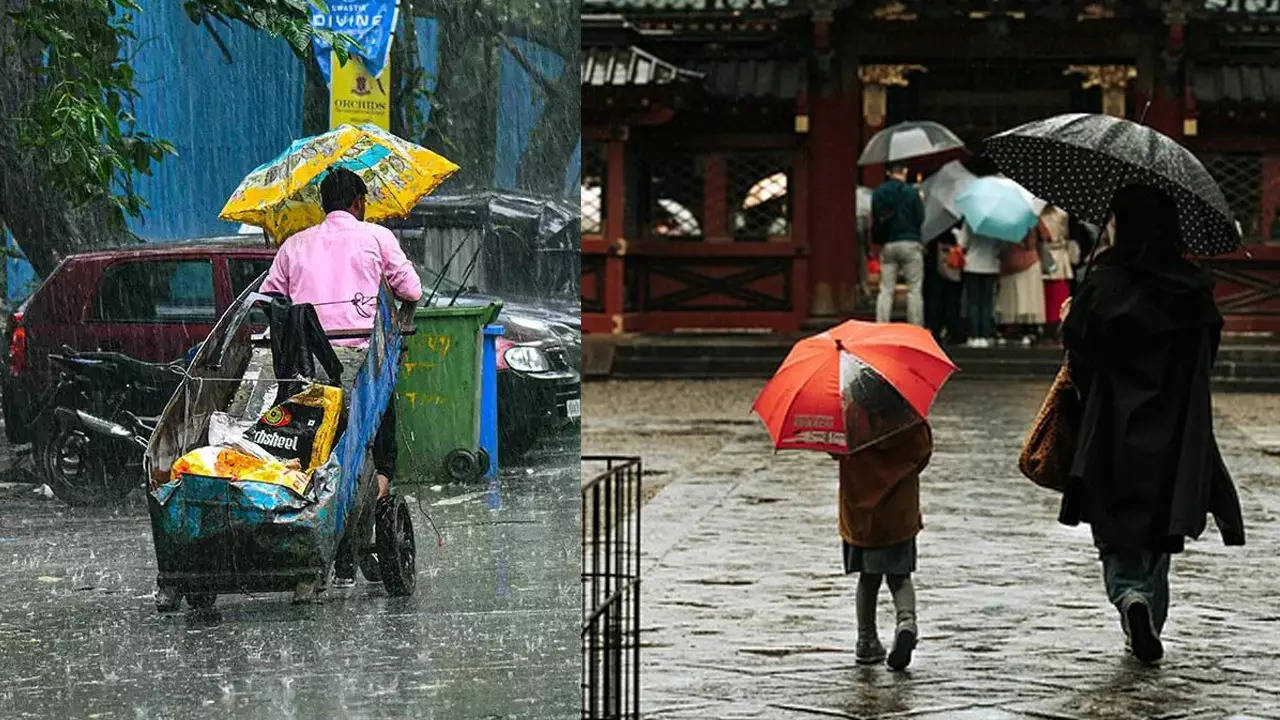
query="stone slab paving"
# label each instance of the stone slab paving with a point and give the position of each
(747, 614)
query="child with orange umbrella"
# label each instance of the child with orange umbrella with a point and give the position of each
(861, 392)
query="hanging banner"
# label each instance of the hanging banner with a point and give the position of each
(356, 96)
(371, 23)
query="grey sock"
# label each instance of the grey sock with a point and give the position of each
(904, 601)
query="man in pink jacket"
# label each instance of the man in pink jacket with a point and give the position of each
(338, 266)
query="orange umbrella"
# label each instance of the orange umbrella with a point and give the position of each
(858, 382)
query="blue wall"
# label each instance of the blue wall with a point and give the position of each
(428, 32)
(223, 117)
(520, 106)
(20, 278)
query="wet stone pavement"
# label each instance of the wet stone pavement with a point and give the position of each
(747, 614)
(489, 633)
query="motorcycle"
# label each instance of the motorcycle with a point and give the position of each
(104, 407)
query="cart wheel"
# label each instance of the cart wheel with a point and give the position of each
(462, 465)
(168, 599)
(201, 601)
(483, 461)
(370, 568)
(396, 554)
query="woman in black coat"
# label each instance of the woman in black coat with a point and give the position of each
(1141, 337)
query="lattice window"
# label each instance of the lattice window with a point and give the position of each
(1240, 176)
(675, 197)
(759, 200)
(593, 183)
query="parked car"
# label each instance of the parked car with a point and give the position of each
(151, 302)
(154, 302)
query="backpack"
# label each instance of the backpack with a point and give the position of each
(882, 227)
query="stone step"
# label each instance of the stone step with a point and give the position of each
(1251, 367)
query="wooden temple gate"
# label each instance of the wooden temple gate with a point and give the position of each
(720, 138)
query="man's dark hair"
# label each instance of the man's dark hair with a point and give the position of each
(339, 189)
(898, 167)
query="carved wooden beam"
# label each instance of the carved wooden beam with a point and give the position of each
(875, 78)
(1113, 79)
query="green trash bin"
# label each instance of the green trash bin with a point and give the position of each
(438, 396)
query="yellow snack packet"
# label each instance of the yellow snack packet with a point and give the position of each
(223, 462)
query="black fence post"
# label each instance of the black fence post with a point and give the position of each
(611, 589)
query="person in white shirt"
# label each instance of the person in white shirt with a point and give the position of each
(981, 269)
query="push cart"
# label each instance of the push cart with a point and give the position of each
(215, 536)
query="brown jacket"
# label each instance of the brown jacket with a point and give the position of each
(880, 489)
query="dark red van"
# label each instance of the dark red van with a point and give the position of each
(153, 302)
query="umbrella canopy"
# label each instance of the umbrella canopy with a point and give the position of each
(683, 222)
(1079, 161)
(862, 207)
(591, 207)
(852, 385)
(998, 208)
(940, 192)
(906, 140)
(283, 195)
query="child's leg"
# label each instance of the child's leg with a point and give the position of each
(904, 600)
(868, 589)
(904, 603)
(868, 650)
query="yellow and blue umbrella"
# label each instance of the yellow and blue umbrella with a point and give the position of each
(998, 208)
(283, 196)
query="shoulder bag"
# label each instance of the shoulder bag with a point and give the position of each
(1050, 446)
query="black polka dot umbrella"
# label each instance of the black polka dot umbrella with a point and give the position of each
(1079, 161)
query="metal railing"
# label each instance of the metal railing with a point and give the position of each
(611, 588)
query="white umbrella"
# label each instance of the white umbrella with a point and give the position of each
(862, 205)
(940, 191)
(592, 209)
(907, 140)
(686, 223)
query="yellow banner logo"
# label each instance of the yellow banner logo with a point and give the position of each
(356, 97)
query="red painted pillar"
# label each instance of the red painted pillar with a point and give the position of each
(833, 179)
(615, 209)
(715, 203)
(1270, 196)
(1166, 111)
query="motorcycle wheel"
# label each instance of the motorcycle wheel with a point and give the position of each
(77, 474)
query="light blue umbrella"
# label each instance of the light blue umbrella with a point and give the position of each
(997, 207)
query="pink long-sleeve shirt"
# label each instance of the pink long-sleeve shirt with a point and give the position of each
(336, 261)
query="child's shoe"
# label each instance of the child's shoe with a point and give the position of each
(868, 651)
(903, 643)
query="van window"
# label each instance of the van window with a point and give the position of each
(244, 271)
(172, 291)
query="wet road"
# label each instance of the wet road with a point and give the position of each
(489, 633)
(746, 613)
